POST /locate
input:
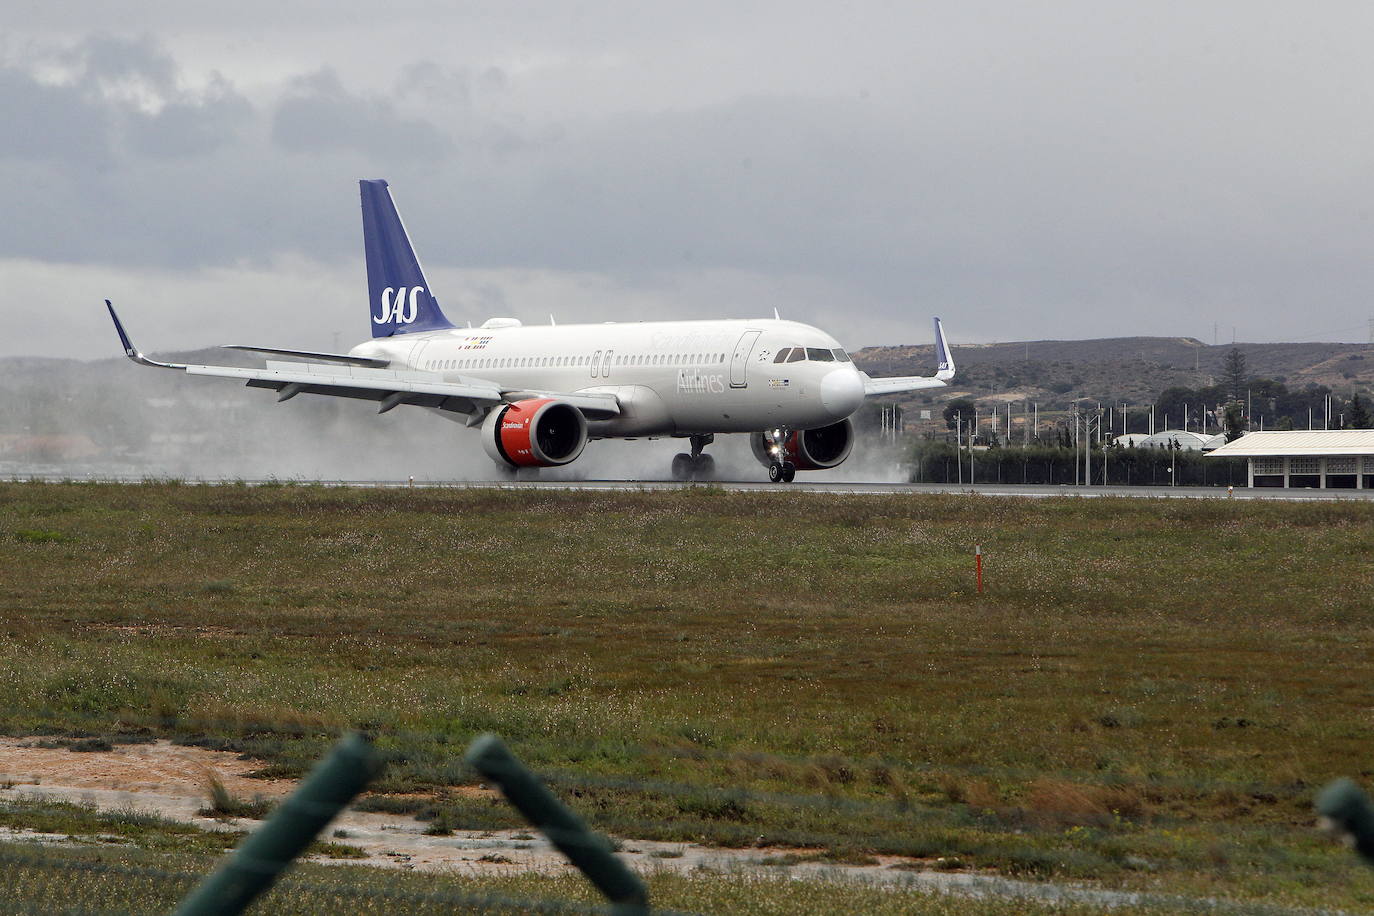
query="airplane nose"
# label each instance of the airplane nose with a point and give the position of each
(842, 392)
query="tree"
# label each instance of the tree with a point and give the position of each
(964, 407)
(1173, 402)
(1235, 421)
(1234, 374)
(1359, 414)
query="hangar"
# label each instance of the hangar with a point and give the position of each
(1328, 459)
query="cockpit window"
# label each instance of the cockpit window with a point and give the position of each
(820, 355)
(798, 354)
(840, 355)
(782, 355)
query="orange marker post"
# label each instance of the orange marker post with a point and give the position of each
(978, 565)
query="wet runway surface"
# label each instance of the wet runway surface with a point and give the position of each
(799, 486)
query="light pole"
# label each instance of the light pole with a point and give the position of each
(959, 445)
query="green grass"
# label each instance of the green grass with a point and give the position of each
(1148, 694)
(82, 823)
(119, 881)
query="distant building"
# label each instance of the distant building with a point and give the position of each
(1328, 459)
(1168, 438)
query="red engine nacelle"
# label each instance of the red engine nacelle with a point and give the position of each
(537, 433)
(809, 449)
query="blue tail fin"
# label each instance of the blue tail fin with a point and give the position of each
(396, 284)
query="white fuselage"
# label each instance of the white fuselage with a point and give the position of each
(671, 377)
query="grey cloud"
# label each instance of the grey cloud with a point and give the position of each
(454, 87)
(120, 93)
(114, 59)
(320, 115)
(191, 126)
(1037, 170)
(425, 79)
(43, 123)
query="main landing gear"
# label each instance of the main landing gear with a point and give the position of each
(695, 466)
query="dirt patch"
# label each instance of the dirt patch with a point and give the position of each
(159, 767)
(172, 781)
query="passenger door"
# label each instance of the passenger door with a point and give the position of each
(739, 363)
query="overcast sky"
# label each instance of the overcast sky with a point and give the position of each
(1037, 170)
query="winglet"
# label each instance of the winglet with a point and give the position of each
(130, 350)
(944, 369)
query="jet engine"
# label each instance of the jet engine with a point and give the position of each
(535, 433)
(806, 449)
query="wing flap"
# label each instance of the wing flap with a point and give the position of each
(310, 354)
(375, 382)
(344, 377)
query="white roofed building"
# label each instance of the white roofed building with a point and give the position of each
(1182, 438)
(1336, 459)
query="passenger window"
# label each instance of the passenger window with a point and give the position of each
(820, 355)
(798, 354)
(782, 355)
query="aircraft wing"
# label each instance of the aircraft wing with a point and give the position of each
(390, 387)
(944, 371)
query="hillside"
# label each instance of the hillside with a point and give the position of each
(1131, 370)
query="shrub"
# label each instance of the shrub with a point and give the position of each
(224, 804)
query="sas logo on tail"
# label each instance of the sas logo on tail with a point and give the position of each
(403, 308)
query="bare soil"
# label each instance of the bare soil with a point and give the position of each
(172, 781)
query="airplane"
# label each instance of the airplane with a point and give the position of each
(540, 393)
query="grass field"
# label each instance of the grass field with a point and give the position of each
(1147, 696)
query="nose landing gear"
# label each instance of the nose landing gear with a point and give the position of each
(771, 450)
(695, 466)
(781, 472)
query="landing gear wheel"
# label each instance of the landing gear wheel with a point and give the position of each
(682, 466)
(775, 472)
(789, 471)
(704, 468)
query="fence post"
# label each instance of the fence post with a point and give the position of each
(589, 851)
(255, 865)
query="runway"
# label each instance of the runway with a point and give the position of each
(853, 488)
